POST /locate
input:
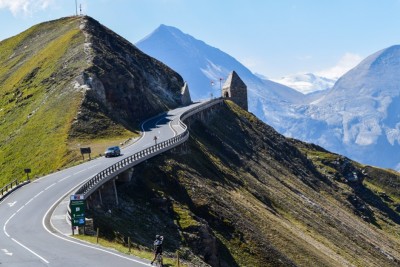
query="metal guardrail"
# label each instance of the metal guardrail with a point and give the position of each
(11, 187)
(8, 187)
(102, 177)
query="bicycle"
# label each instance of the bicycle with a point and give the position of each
(159, 260)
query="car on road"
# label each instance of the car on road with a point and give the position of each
(113, 151)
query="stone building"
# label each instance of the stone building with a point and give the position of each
(185, 95)
(235, 89)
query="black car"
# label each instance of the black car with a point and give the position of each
(113, 151)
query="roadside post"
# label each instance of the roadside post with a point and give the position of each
(77, 206)
(86, 150)
(27, 171)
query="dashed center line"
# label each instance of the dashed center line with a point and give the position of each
(64, 178)
(79, 172)
(49, 186)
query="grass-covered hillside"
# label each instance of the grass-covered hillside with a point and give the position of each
(70, 83)
(38, 101)
(240, 194)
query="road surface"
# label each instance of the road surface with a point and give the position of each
(26, 237)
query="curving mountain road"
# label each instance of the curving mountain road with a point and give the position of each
(26, 238)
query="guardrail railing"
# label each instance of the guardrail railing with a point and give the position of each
(8, 187)
(102, 177)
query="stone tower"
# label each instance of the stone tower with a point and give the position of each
(235, 89)
(185, 95)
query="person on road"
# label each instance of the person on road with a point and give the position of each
(158, 247)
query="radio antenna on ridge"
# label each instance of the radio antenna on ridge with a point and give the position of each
(76, 7)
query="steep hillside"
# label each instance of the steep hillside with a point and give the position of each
(243, 195)
(72, 82)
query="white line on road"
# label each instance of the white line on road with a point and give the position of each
(6, 252)
(79, 172)
(91, 167)
(79, 243)
(31, 251)
(64, 178)
(38, 194)
(5, 225)
(49, 186)
(11, 203)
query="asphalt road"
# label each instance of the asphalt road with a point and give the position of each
(26, 237)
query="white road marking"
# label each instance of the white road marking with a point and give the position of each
(5, 225)
(38, 194)
(170, 126)
(31, 251)
(79, 243)
(49, 186)
(6, 252)
(11, 203)
(91, 167)
(64, 178)
(79, 172)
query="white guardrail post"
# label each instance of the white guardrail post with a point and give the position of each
(104, 176)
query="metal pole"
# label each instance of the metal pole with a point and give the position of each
(76, 7)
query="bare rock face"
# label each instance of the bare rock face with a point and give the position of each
(124, 85)
(204, 243)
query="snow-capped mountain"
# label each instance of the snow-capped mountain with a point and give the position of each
(205, 68)
(361, 114)
(306, 83)
(359, 117)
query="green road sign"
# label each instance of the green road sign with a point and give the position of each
(77, 205)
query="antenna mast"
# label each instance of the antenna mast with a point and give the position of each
(76, 7)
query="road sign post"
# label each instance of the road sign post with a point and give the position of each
(27, 171)
(77, 205)
(86, 150)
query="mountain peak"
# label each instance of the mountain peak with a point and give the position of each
(77, 79)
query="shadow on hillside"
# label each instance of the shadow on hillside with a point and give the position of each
(375, 201)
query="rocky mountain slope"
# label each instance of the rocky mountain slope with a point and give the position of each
(72, 82)
(244, 195)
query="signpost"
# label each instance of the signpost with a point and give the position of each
(27, 171)
(77, 205)
(86, 150)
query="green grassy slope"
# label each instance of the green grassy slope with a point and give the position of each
(37, 98)
(243, 195)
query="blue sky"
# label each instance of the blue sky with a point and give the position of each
(271, 37)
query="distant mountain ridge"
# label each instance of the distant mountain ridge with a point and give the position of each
(363, 111)
(307, 82)
(202, 66)
(358, 117)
